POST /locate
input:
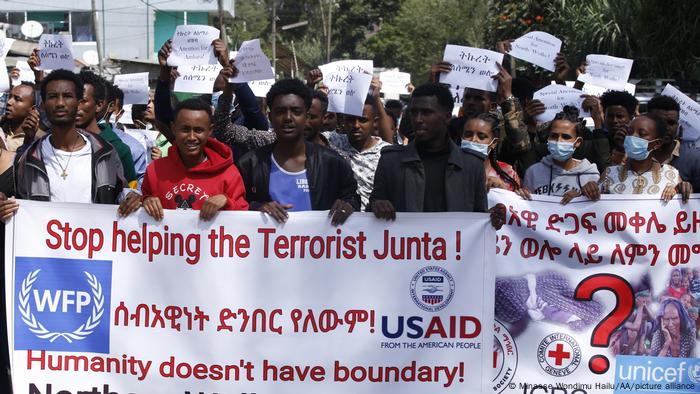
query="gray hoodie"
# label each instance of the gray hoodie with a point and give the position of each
(548, 178)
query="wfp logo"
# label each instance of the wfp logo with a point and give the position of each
(62, 304)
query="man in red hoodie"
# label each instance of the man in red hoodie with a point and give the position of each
(198, 172)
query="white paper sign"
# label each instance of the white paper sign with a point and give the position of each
(260, 88)
(56, 52)
(347, 90)
(4, 77)
(192, 45)
(594, 90)
(689, 115)
(555, 97)
(607, 71)
(197, 78)
(25, 73)
(538, 48)
(357, 66)
(394, 83)
(252, 64)
(471, 67)
(134, 86)
(5, 45)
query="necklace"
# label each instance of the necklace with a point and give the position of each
(64, 169)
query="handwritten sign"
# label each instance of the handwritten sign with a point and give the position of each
(197, 78)
(5, 45)
(394, 83)
(594, 90)
(252, 64)
(607, 71)
(260, 88)
(134, 86)
(356, 66)
(25, 73)
(471, 67)
(192, 45)
(56, 52)
(347, 88)
(689, 115)
(538, 48)
(555, 98)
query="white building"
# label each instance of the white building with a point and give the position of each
(129, 29)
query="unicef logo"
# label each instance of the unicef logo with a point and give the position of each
(432, 288)
(694, 373)
(62, 304)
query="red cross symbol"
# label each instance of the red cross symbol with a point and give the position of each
(559, 355)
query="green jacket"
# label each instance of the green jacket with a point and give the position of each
(123, 151)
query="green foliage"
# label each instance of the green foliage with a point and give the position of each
(417, 36)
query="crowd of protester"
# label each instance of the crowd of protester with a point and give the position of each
(62, 141)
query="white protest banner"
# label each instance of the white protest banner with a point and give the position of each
(134, 86)
(538, 48)
(25, 73)
(607, 71)
(394, 83)
(5, 45)
(242, 305)
(252, 64)
(689, 114)
(348, 83)
(56, 52)
(197, 78)
(192, 45)
(555, 97)
(594, 90)
(260, 88)
(471, 67)
(586, 291)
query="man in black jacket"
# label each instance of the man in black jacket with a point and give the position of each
(430, 174)
(293, 174)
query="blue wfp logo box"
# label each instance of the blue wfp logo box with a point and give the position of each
(62, 304)
(638, 374)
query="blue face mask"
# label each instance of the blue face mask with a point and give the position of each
(561, 151)
(476, 147)
(636, 148)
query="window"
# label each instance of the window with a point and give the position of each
(82, 27)
(15, 21)
(53, 22)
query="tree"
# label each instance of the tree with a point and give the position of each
(417, 36)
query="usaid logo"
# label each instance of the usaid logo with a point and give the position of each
(62, 304)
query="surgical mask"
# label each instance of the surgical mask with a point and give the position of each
(561, 151)
(636, 148)
(476, 147)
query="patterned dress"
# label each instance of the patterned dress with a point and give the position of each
(623, 180)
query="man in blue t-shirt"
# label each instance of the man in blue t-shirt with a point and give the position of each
(293, 174)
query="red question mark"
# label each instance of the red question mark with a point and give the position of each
(599, 364)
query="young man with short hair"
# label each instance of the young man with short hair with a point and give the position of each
(21, 116)
(430, 174)
(198, 172)
(90, 107)
(293, 174)
(362, 147)
(618, 109)
(69, 164)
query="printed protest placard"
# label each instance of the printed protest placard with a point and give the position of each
(192, 45)
(607, 71)
(594, 90)
(555, 98)
(582, 290)
(252, 64)
(260, 88)
(56, 52)
(689, 114)
(197, 78)
(348, 84)
(471, 67)
(538, 48)
(134, 86)
(132, 305)
(394, 83)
